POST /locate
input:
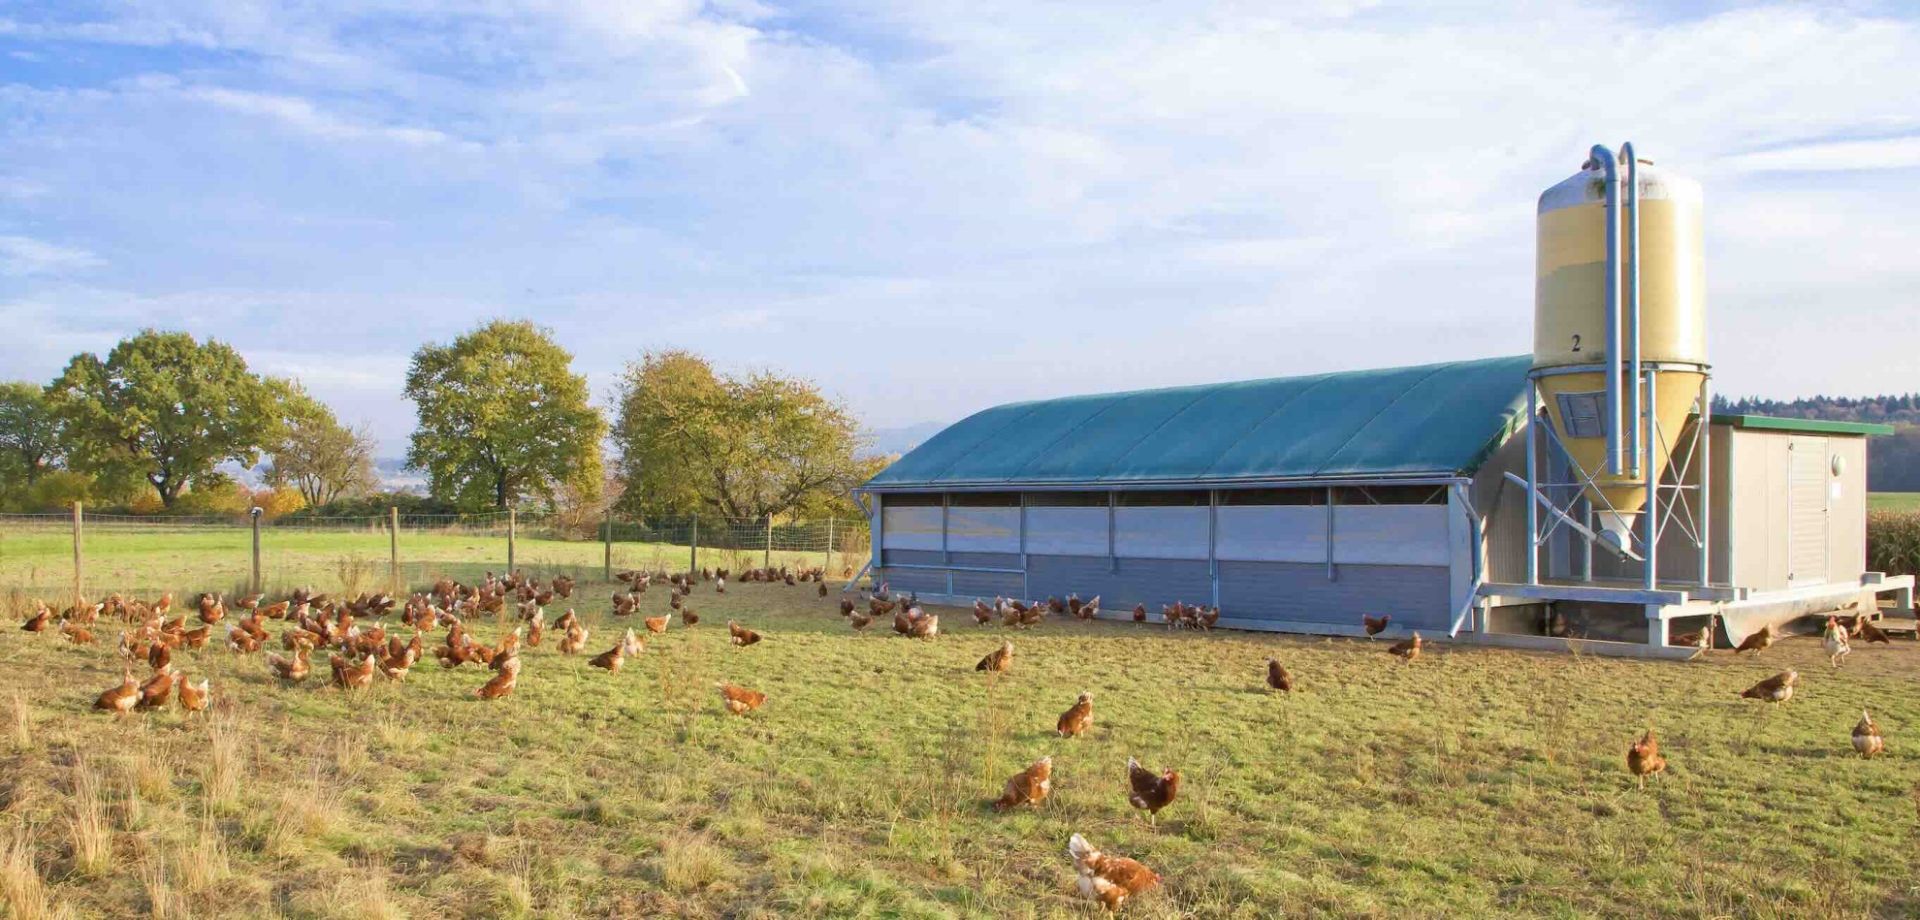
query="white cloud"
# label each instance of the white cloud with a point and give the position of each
(22, 256)
(934, 205)
(1882, 153)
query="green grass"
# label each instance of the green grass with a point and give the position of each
(1473, 783)
(1893, 501)
(149, 557)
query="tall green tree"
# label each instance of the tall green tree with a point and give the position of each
(761, 444)
(165, 408)
(318, 456)
(29, 432)
(502, 417)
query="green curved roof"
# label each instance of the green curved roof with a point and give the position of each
(1433, 419)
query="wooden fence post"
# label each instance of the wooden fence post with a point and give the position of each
(693, 546)
(79, 560)
(606, 567)
(829, 565)
(767, 560)
(393, 545)
(255, 514)
(511, 521)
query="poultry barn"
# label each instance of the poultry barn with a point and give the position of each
(1537, 500)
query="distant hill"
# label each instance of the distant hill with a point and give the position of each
(1893, 461)
(903, 439)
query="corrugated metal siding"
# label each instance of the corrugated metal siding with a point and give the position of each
(988, 560)
(1503, 506)
(1416, 596)
(983, 530)
(986, 585)
(1272, 533)
(915, 581)
(910, 528)
(1137, 581)
(911, 557)
(1390, 534)
(1160, 533)
(1067, 531)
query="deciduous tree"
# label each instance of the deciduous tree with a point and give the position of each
(29, 432)
(502, 417)
(746, 447)
(166, 408)
(319, 457)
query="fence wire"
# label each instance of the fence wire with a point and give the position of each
(132, 553)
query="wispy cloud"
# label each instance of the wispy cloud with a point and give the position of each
(931, 206)
(23, 256)
(1833, 156)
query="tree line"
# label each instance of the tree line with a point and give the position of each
(503, 421)
(1893, 461)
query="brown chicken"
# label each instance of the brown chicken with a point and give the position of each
(846, 607)
(502, 683)
(574, 641)
(1077, 718)
(158, 689)
(657, 625)
(903, 622)
(1407, 649)
(1027, 787)
(982, 613)
(1374, 625)
(1277, 676)
(196, 638)
(1866, 736)
(1872, 633)
(740, 635)
(1775, 689)
(38, 622)
(1643, 758)
(823, 589)
(1139, 613)
(350, 676)
(1110, 880)
(740, 700)
(688, 617)
(924, 626)
(1756, 642)
(1151, 793)
(290, 669)
(212, 609)
(120, 699)
(611, 659)
(158, 656)
(998, 660)
(860, 621)
(75, 633)
(194, 698)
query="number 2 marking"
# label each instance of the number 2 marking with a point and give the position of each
(1576, 341)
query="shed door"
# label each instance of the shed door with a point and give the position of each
(1806, 511)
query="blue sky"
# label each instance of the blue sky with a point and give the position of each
(933, 207)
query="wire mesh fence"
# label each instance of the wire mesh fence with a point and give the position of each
(57, 555)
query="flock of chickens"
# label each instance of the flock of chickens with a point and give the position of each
(361, 648)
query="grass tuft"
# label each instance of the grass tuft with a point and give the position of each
(21, 889)
(89, 834)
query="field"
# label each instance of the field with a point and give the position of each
(1893, 501)
(1471, 783)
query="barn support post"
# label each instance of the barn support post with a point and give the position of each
(1025, 592)
(1329, 493)
(946, 555)
(1651, 483)
(1213, 543)
(1533, 483)
(1703, 437)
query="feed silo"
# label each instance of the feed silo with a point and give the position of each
(1619, 350)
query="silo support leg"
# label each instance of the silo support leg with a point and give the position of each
(1656, 626)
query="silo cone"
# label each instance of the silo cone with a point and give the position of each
(1569, 325)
